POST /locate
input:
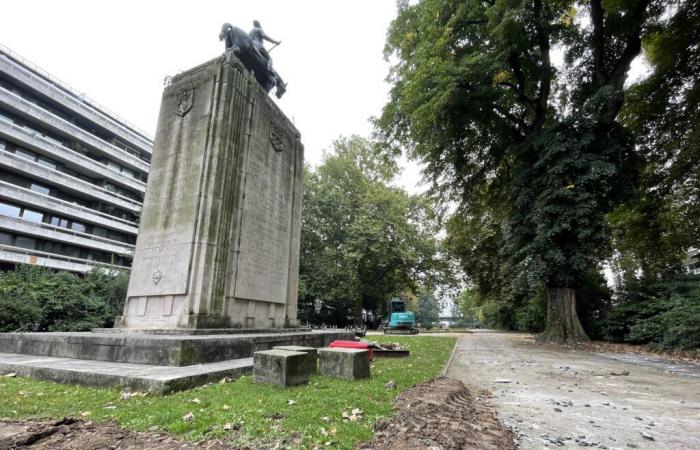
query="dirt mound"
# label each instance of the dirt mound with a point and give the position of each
(441, 414)
(73, 434)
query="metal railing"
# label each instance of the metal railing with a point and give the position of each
(58, 257)
(80, 96)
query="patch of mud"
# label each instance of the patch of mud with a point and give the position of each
(441, 414)
(73, 434)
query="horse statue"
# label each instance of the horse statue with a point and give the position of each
(241, 45)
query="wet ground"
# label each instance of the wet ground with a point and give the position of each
(552, 396)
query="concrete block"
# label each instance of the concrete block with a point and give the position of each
(345, 363)
(280, 367)
(311, 355)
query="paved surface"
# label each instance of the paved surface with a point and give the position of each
(553, 397)
(127, 375)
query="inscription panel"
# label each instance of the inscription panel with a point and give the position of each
(164, 247)
(264, 250)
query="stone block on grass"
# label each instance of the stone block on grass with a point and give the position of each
(311, 355)
(280, 367)
(345, 363)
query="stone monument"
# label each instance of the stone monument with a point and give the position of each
(218, 247)
(218, 243)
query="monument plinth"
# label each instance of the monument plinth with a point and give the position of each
(218, 243)
(217, 256)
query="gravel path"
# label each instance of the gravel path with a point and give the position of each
(553, 397)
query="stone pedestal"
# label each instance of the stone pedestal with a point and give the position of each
(281, 367)
(218, 243)
(345, 363)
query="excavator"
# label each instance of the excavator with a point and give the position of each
(400, 320)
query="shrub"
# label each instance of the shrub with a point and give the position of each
(661, 314)
(59, 301)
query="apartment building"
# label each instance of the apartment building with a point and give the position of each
(72, 174)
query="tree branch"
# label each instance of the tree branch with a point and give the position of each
(597, 13)
(519, 87)
(546, 69)
(633, 45)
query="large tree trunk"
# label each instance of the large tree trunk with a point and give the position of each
(562, 320)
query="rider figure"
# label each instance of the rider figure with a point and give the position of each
(257, 35)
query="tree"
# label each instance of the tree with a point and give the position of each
(653, 233)
(363, 241)
(500, 128)
(428, 309)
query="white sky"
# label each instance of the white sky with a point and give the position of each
(118, 53)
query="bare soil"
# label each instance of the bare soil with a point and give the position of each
(74, 434)
(441, 414)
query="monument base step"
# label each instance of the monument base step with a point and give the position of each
(160, 349)
(128, 376)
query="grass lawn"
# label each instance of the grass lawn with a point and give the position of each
(249, 413)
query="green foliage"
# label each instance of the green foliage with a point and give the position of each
(363, 241)
(34, 298)
(428, 312)
(662, 314)
(264, 412)
(663, 110)
(535, 155)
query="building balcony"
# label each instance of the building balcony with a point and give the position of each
(64, 235)
(18, 255)
(38, 172)
(34, 113)
(69, 99)
(36, 142)
(42, 202)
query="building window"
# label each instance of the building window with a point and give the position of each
(25, 154)
(98, 231)
(25, 242)
(46, 163)
(77, 226)
(39, 188)
(33, 216)
(9, 210)
(5, 238)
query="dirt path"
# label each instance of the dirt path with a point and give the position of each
(553, 397)
(441, 414)
(74, 434)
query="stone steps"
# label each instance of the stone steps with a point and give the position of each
(128, 376)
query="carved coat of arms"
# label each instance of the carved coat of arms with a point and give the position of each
(278, 137)
(185, 100)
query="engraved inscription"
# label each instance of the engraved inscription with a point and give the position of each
(263, 261)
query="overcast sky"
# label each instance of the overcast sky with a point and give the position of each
(119, 52)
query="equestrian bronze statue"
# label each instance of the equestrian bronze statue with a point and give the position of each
(249, 49)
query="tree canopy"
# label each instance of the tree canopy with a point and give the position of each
(514, 106)
(363, 240)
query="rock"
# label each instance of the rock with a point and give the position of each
(647, 436)
(621, 373)
(557, 409)
(390, 385)
(503, 380)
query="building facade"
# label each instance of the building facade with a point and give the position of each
(72, 174)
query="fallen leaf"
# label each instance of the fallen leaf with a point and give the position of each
(196, 400)
(189, 417)
(326, 419)
(227, 427)
(85, 413)
(291, 402)
(226, 407)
